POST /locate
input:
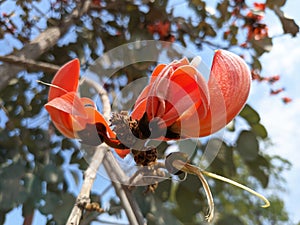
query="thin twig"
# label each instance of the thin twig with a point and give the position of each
(89, 178)
(30, 64)
(115, 172)
(118, 177)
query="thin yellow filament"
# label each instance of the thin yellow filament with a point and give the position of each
(188, 168)
(229, 181)
(51, 85)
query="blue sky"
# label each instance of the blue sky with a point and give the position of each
(282, 121)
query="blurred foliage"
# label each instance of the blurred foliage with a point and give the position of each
(38, 165)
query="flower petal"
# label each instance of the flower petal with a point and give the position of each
(66, 131)
(139, 110)
(157, 72)
(108, 136)
(185, 88)
(65, 80)
(67, 113)
(69, 103)
(229, 86)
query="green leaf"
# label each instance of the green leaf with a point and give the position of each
(12, 193)
(67, 144)
(259, 168)
(222, 7)
(250, 115)
(189, 198)
(247, 145)
(52, 174)
(76, 176)
(63, 209)
(223, 164)
(256, 64)
(259, 130)
(51, 202)
(163, 190)
(289, 26)
(262, 45)
(229, 220)
(160, 213)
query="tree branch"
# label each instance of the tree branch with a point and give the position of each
(41, 44)
(118, 178)
(89, 178)
(30, 64)
(116, 174)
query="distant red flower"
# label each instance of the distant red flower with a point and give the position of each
(244, 45)
(162, 29)
(257, 33)
(286, 100)
(259, 6)
(71, 114)
(256, 29)
(256, 76)
(275, 92)
(96, 2)
(179, 103)
(273, 79)
(253, 17)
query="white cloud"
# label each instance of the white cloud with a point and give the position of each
(284, 57)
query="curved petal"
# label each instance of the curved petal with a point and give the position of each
(139, 110)
(87, 102)
(188, 124)
(65, 80)
(122, 152)
(187, 81)
(229, 86)
(67, 113)
(66, 131)
(95, 117)
(69, 103)
(160, 74)
(185, 88)
(157, 72)
(109, 137)
(143, 95)
(66, 123)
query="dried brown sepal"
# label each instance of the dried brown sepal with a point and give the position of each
(145, 157)
(90, 206)
(127, 130)
(93, 206)
(151, 188)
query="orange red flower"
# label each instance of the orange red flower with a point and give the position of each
(259, 6)
(178, 103)
(286, 100)
(162, 29)
(71, 114)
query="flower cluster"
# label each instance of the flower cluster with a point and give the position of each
(253, 22)
(177, 102)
